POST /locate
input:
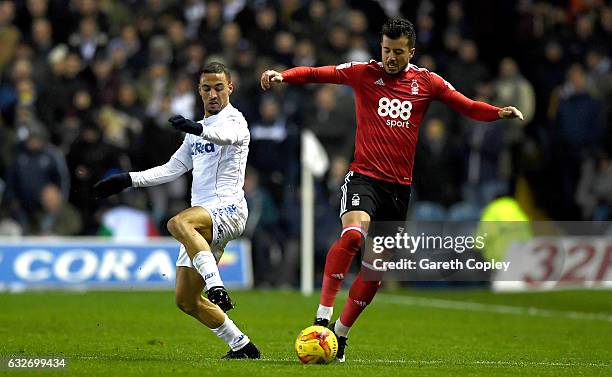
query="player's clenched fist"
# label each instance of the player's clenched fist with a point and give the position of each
(268, 77)
(112, 185)
(186, 125)
(510, 112)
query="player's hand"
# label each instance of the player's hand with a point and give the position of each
(112, 185)
(510, 112)
(269, 77)
(186, 125)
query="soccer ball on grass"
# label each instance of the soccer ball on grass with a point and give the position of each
(316, 345)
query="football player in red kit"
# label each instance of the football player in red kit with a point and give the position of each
(391, 98)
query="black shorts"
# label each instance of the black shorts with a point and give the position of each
(383, 201)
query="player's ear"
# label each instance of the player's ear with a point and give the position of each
(411, 52)
(230, 87)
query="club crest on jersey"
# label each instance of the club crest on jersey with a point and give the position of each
(414, 87)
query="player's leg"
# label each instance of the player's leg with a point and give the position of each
(188, 295)
(338, 261)
(356, 205)
(193, 228)
(394, 207)
(360, 295)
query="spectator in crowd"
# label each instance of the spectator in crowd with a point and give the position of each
(438, 165)
(272, 139)
(89, 159)
(42, 44)
(465, 71)
(9, 34)
(265, 30)
(183, 97)
(512, 87)
(484, 144)
(153, 147)
(37, 163)
(599, 77)
(88, 40)
(593, 194)
(549, 72)
(578, 130)
(56, 217)
(262, 228)
(331, 117)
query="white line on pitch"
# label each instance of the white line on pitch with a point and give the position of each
(460, 362)
(372, 361)
(492, 308)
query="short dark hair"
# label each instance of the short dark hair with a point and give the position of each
(398, 27)
(216, 67)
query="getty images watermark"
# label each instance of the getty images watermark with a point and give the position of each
(532, 253)
(411, 244)
(428, 252)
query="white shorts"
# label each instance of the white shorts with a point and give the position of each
(228, 222)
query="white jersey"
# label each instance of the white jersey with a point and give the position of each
(218, 159)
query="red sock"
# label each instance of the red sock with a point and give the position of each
(337, 263)
(361, 294)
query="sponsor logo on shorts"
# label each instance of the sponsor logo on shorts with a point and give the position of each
(231, 209)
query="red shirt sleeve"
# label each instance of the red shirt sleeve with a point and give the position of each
(340, 74)
(444, 92)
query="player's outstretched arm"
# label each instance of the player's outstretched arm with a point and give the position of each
(510, 112)
(112, 185)
(269, 77)
(186, 125)
(219, 135)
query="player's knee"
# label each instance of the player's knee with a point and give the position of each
(176, 226)
(353, 239)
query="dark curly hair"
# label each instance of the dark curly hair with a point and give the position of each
(398, 27)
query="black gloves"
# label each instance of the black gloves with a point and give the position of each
(183, 124)
(112, 185)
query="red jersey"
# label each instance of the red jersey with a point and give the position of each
(389, 110)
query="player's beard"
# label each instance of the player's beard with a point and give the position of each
(400, 69)
(216, 110)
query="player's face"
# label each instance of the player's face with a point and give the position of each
(215, 91)
(396, 54)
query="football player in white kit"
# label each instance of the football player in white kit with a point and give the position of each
(216, 149)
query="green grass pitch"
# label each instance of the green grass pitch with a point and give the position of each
(420, 333)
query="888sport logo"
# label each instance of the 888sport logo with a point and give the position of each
(398, 111)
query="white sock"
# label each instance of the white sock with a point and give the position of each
(325, 312)
(340, 329)
(205, 263)
(231, 334)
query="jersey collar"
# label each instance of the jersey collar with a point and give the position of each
(213, 118)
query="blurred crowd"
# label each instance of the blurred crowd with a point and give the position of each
(87, 86)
